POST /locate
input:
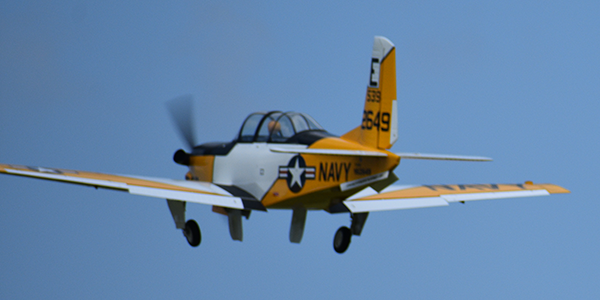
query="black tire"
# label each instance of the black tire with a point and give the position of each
(341, 240)
(192, 233)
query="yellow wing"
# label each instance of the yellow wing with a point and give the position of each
(405, 197)
(183, 190)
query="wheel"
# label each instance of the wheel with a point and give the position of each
(192, 233)
(341, 240)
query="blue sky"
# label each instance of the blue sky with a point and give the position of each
(83, 86)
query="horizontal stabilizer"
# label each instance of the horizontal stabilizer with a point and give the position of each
(442, 157)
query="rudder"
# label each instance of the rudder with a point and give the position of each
(379, 127)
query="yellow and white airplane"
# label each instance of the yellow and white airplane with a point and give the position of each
(286, 160)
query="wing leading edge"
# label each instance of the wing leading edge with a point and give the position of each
(406, 197)
(183, 190)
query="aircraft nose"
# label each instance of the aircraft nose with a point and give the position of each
(181, 157)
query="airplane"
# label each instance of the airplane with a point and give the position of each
(286, 160)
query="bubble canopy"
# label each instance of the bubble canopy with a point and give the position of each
(276, 126)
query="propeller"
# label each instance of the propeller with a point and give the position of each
(181, 112)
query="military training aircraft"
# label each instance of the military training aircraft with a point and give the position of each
(286, 160)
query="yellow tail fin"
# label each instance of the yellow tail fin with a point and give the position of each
(379, 128)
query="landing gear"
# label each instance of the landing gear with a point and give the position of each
(342, 237)
(191, 231)
(341, 240)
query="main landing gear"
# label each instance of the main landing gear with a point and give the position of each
(191, 231)
(343, 235)
(341, 240)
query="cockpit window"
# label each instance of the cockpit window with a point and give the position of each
(281, 129)
(312, 124)
(300, 123)
(268, 124)
(275, 126)
(249, 127)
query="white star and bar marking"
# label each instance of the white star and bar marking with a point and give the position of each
(296, 172)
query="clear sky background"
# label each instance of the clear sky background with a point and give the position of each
(83, 86)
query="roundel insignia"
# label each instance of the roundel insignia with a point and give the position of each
(296, 173)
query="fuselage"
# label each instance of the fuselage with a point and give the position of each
(286, 160)
(283, 180)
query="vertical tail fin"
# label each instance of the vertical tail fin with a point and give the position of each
(379, 128)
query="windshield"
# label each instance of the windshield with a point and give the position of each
(249, 127)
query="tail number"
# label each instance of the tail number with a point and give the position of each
(381, 123)
(373, 95)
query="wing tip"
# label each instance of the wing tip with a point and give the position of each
(551, 188)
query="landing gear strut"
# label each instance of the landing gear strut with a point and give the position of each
(341, 240)
(191, 231)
